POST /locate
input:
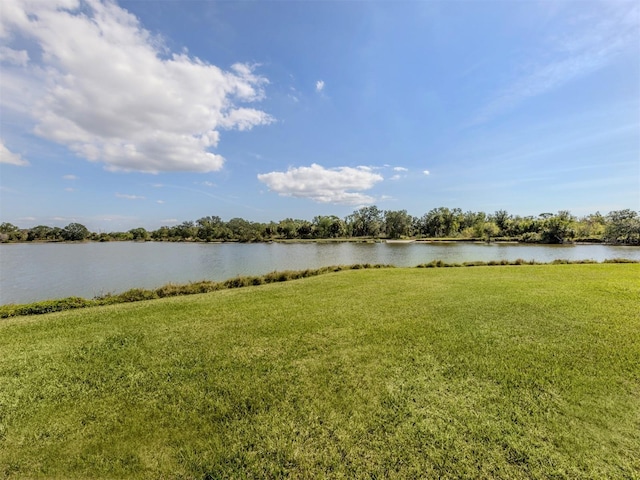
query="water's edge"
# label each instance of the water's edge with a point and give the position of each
(33, 272)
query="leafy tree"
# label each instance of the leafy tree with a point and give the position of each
(397, 223)
(623, 226)
(10, 233)
(211, 228)
(75, 232)
(502, 220)
(288, 228)
(490, 230)
(6, 227)
(441, 222)
(366, 221)
(139, 234)
(305, 228)
(186, 230)
(245, 231)
(558, 228)
(270, 229)
(522, 225)
(162, 233)
(328, 227)
(43, 232)
(591, 226)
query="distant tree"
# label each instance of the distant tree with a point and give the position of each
(522, 225)
(288, 228)
(270, 229)
(558, 228)
(305, 228)
(75, 232)
(39, 232)
(139, 234)
(366, 221)
(10, 233)
(490, 230)
(397, 223)
(186, 230)
(591, 226)
(474, 221)
(162, 233)
(441, 222)
(244, 230)
(328, 227)
(502, 220)
(211, 228)
(623, 226)
(7, 227)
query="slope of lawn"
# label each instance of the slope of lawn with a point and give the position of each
(484, 372)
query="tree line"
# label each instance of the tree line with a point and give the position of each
(619, 226)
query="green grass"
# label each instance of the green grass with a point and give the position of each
(512, 372)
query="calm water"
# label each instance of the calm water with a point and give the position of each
(31, 272)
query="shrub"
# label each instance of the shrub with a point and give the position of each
(136, 295)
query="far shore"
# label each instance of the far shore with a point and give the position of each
(589, 241)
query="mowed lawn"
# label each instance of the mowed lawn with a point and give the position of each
(483, 372)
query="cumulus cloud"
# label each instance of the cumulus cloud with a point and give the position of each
(319, 85)
(7, 156)
(69, 177)
(400, 169)
(340, 185)
(112, 93)
(426, 172)
(129, 197)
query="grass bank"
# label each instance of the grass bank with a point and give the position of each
(510, 372)
(207, 286)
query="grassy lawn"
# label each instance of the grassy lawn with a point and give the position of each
(483, 372)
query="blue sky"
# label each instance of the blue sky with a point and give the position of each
(147, 113)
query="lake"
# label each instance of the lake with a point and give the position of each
(32, 272)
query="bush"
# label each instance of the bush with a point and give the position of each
(47, 306)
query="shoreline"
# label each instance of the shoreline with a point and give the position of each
(207, 286)
(506, 241)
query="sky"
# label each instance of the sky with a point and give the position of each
(146, 113)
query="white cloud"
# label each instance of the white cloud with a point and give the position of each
(70, 177)
(69, 189)
(336, 185)
(160, 201)
(129, 197)
(319, 85)
(395, 177)
(169, 220)
(426, 172)
(15, 57)
(112, 93)
(400, 169)
(6, 156)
